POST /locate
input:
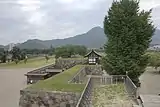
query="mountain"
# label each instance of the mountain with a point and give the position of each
(156, 37)
(94, 38)
(1, 46)
(33, 44)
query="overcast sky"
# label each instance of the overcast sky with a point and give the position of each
(21, 20)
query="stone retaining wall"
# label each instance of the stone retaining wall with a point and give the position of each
(80, 77)
(68, 63)
(94, 69)
(30, 98)
(41, 70)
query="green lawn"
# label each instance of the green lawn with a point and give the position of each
(32, 63)
(59, 82)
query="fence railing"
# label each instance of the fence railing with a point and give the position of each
(85, 99)
(131, 88)
(79, 77)
(94, 81)
(68, 63)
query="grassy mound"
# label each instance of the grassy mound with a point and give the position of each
(59, 82)
(110, 96)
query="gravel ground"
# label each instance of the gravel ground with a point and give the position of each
(11, 82)
(110, 96)
(150, 82)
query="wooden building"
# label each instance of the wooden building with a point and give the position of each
(34, 77)
(93, 57)
(42, 73)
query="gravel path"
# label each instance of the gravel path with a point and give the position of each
(150, 81)
(11, 82)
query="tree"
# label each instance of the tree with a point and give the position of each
(3, 57)
(129, 32)
(51, 50)
(81, 50)
(62, 52)
(154, 60)
(1, 53)
(47, 58)
(26, 59)
(69, 50)
(22, 55)
(16, 54)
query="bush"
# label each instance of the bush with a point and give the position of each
(3, 57)
(154, 59)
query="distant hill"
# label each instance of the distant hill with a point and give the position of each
(1, 46)
(33, 44)
(94, 38)
(156, 37)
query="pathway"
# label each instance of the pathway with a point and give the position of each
(11, 82)
(150, 88)
(150, 82)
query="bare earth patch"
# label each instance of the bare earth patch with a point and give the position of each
(110, 96)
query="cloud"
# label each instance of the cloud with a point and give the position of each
(148, 4)
(81, 4)
(50, 19)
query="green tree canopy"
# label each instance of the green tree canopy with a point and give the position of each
(3, 57)
(129, 32)
(154, 59)
(38, 51)
(1, 52)
(16, 54)
(69, 50)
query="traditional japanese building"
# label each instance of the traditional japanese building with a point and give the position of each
(93, 57)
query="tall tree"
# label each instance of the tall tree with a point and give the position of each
(1, 53)
(16, 54)
(51, 50)
(26, 59)
(3, 57)
(47, 58)
(129, 32)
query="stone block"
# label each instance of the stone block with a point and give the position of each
(48, 99)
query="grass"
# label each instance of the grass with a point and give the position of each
(111, 96)
(59, 82)
(81, 58)
(31, 63)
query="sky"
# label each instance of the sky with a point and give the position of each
(21, 20)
